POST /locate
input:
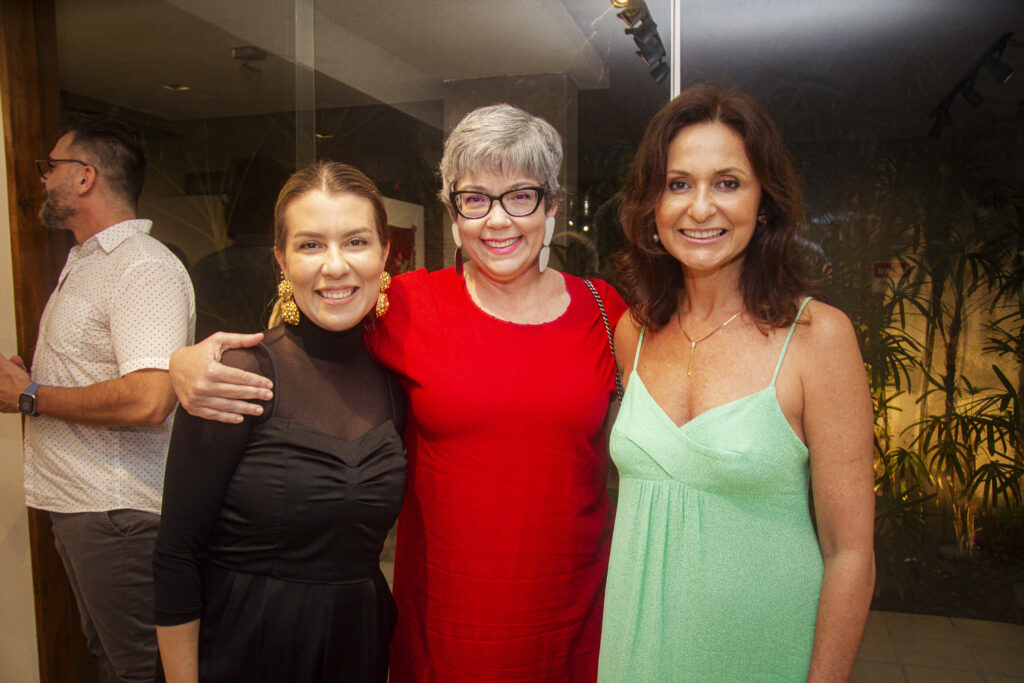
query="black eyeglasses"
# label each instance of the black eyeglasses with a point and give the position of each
(46, 166)
(522, 201)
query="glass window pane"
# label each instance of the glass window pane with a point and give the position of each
(230, 100)
(908, 140)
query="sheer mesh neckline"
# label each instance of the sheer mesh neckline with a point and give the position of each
(324, 344)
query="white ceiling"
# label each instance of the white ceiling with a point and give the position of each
(392, 51)
(866, 66)
(856, 67)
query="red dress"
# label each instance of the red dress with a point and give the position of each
(504, 534)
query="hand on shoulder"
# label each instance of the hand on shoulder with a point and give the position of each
(209, 389)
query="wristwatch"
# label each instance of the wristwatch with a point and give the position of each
(27, 401)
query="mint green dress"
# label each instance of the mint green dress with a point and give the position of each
(715, 568)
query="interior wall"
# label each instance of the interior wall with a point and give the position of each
(19, 659)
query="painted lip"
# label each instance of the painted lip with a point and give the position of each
(336, 296)
(703, 235)
(502, 246)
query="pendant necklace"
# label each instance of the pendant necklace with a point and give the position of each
(693, 344)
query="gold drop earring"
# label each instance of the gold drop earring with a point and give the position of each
(382, 299)
(289, 311)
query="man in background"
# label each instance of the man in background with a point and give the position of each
(99, 399)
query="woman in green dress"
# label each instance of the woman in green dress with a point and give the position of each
(741, 389)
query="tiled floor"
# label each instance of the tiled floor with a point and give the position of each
(913, 648)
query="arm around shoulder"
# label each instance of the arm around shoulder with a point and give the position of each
(143, 397)
(214, 391)
(838, 422)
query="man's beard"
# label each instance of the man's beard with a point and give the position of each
(54, 212)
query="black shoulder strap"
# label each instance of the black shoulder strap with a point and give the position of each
(608, 330)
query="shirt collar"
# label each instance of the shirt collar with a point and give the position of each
(109, 238)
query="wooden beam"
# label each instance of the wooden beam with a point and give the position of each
(31, 108)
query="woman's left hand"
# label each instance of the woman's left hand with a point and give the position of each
(179, 651)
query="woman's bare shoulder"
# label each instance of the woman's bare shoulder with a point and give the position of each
(826, 340)
(627, 337)
(825, 324)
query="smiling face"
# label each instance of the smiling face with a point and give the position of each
(708, 208)
(503, 248)
(333, 256)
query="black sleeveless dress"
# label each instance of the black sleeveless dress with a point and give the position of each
(272, 529)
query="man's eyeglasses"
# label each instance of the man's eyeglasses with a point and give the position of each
(46, 166)
(517, 203)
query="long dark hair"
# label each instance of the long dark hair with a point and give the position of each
(771, 280)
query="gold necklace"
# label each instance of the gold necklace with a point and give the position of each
(693, 344)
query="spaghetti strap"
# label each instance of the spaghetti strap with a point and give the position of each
(789, 336)
(639, 343)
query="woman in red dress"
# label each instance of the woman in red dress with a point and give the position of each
(504, 534)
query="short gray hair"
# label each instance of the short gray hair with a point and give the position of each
(502, 139)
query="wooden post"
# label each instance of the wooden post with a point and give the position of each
(31, 109)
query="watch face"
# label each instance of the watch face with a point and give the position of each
(27, 404)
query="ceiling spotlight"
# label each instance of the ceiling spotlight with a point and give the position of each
(652, 51)
(646, 37)
(942, 119)
(251, 73)
(973, 97)
(991, 59)
(633, 12)
(176, 87)
(659, 72)
(643, 31)
(249, 53)
(999, 69)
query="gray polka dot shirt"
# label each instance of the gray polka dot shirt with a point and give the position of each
(123, 303)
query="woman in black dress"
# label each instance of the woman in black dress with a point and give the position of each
(267, 562)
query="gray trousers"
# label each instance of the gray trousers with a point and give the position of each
(108, 557)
